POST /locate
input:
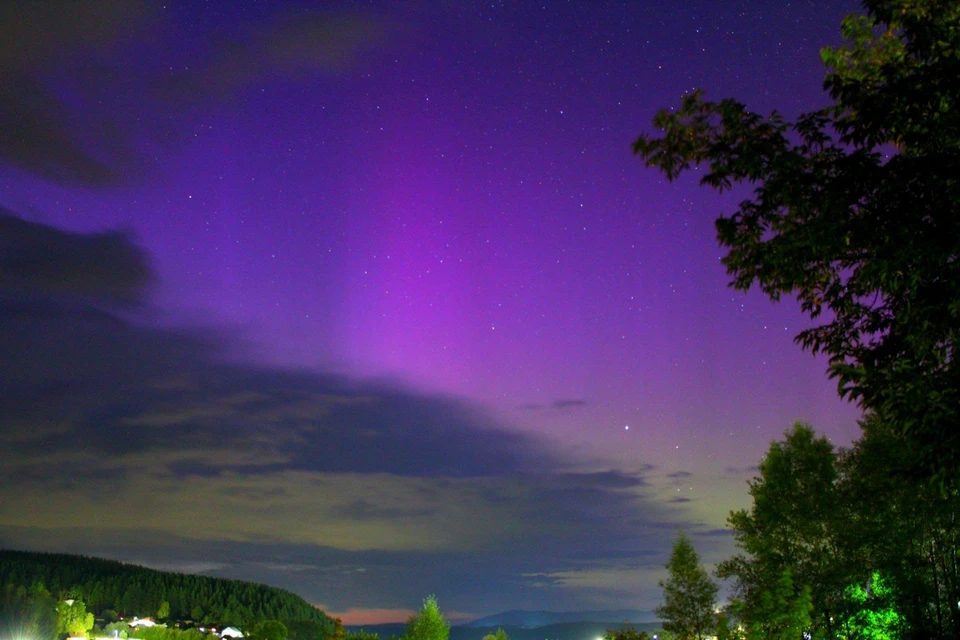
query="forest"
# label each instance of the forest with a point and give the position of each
(34, 583)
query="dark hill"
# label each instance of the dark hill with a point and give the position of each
(134, 590)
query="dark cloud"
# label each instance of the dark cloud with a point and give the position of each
(108, 387)
(94, 53)
(680, 500)
(612, 479)
(40, 132)
(741, 471)
(36, 259)
(291, 45)
(39, 33)
(78, 378)
(679, 475)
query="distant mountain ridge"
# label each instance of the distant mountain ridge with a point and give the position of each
(534, 619)
(579, 630)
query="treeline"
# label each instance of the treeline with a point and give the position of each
(839, 544)
(109, 587)
(854, 212)
(845, 543)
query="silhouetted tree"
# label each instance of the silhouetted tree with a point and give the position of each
(855, 212)
(689, 594)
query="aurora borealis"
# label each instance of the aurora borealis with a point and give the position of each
(416, 320)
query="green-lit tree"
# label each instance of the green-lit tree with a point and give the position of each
(163, 611)
(689, 594)
(905, 530)
(428, 624)
(855, 212)
(875, 617)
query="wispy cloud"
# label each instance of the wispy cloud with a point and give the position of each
(568, 404)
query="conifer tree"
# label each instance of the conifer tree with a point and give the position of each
(689, 594)
(429, 623)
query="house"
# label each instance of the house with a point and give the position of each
(142, 622)
(231, 632)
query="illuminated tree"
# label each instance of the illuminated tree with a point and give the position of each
(906, 531)
(429, 623)
(688, 593)
(875, 618)
(73, 619)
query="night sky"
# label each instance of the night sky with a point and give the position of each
(372, 301)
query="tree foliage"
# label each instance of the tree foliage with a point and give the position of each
(163, 633)
(73, 618)
(855, 211)
(849, 539)
(269, 630)
(906, 531)
(428, 624)
(781, 612)
(790, 537)
(876, 618)
(688, 592)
